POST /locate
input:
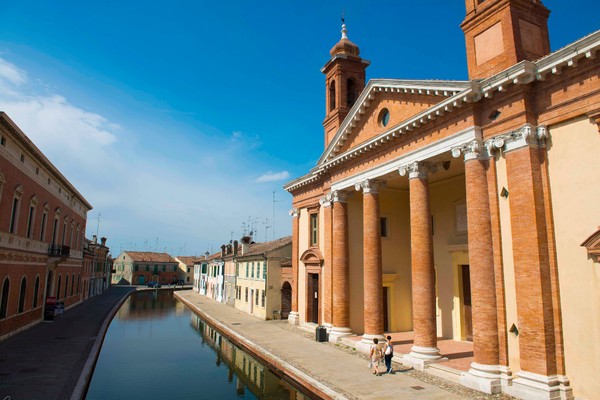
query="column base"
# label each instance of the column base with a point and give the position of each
(368, 338)
(482, 377)
(293, 318)
(328, 326)
(337, 333)
(527, 385)
(419, 357)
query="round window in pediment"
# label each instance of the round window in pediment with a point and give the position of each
(384, 117)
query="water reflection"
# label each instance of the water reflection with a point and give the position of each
(247, 370)
(155, 348)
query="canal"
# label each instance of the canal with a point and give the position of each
(156, 348)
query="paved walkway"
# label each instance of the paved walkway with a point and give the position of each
(46, 361)
(331, 372)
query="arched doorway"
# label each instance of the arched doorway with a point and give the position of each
(286, 300)
(313, 262)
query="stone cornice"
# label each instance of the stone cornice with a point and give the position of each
(592, 244)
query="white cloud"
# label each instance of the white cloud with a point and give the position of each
(143, 192)
(273, 176)
(11, 74)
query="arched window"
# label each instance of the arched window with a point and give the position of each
(4, 303)
(78, 280)
(22, 295)
(72, 284)
(36, 290)
(331, 95)
(66, 285)
(58, 287)
(351, 92)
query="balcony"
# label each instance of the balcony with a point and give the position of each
(56, 250)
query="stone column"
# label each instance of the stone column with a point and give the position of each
(327, 257)
(484, 374)
(539, 325)
(425, 349)
(372, 268)
(293, 317)
(341, 268)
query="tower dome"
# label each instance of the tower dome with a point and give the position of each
(345, 46)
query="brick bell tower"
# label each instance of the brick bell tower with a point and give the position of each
(344, 81)
(500, 33)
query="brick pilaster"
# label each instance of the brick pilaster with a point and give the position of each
(531, 260)
(294, 316)
(372, 268)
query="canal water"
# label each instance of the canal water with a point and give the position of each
(156, 348)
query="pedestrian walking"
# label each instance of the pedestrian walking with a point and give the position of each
(388, 354)
(375, 356)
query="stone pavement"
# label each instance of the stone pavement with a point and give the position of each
(47, 360)
(323, 368)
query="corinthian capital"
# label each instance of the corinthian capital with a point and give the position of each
(368, 186)
(325, 201)
(471, 150)
(417, 169)
(294, 213)
(338, 196)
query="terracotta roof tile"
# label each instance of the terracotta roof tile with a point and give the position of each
(266, 247)
(149, 256)
(187, 260)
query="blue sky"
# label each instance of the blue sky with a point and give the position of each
(177, 121)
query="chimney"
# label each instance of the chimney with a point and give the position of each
(235, 247)
(95, 239)
(245, 243)
(228, 249)
(223, 251)
(103, 241)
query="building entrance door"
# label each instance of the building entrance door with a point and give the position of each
(466, 295)
(313, 298)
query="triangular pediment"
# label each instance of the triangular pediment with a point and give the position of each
(402, 99)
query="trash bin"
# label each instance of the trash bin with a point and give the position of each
(321, 334)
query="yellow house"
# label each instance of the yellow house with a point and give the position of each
(258, 277)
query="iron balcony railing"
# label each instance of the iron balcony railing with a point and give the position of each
(55, 250)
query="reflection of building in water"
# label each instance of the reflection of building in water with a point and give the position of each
(249, 372)
(150, 304)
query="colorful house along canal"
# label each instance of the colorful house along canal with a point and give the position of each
(466, 210)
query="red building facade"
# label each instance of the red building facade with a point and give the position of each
(42, 228)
